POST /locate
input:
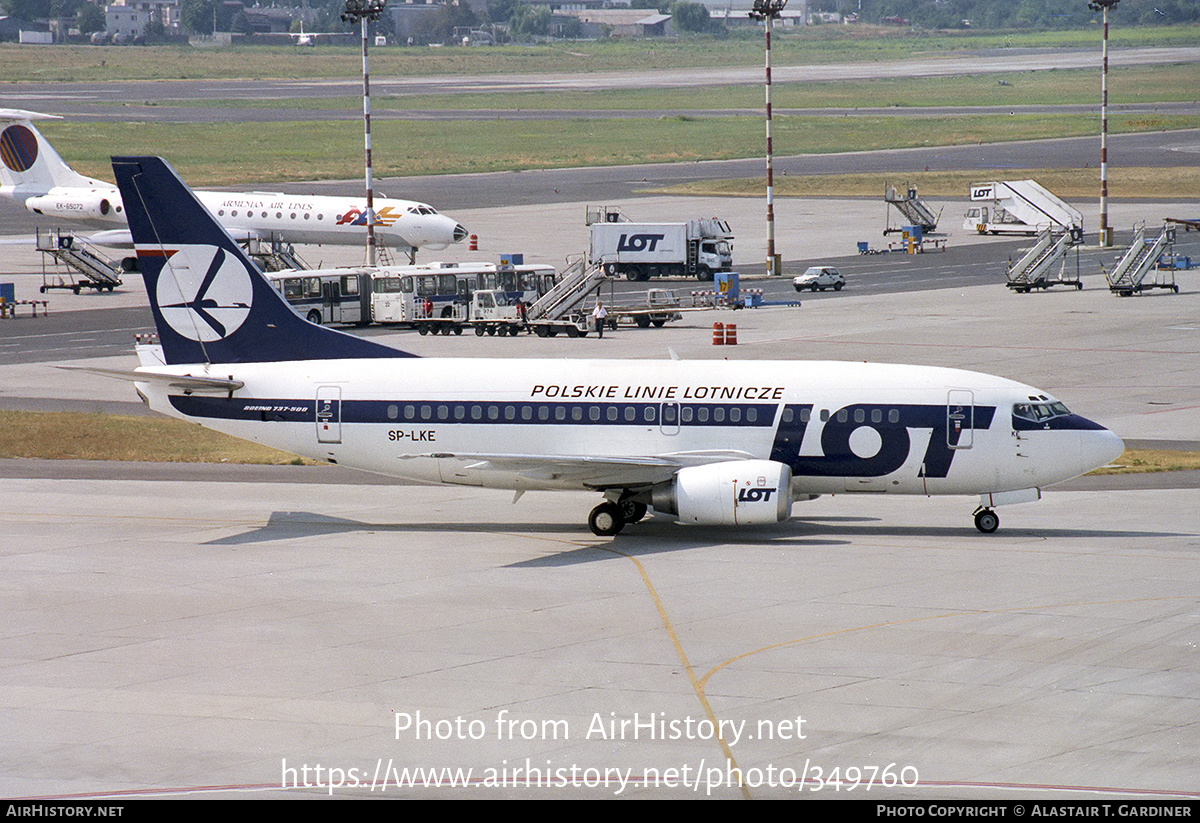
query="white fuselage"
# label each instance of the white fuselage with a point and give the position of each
(303, 219)
(842, 427)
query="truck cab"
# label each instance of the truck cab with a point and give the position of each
(493, 305)
(715, 255)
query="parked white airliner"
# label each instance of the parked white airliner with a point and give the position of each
(33, 174)
(705, 442)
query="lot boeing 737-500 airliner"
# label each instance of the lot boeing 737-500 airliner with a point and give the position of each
(33, 174)
(704, 442)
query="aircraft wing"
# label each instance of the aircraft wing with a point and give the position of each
(586, 471)
(123, 239)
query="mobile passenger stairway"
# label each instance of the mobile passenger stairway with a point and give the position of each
(1033, 270)
(913, 209)
(1137, 270)
(273, 255)
(577, 282)
(85, 266)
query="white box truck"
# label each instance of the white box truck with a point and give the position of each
(639, 251)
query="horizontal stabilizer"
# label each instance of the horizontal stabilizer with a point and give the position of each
(185, 382)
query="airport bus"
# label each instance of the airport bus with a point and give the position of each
(404, 294)
(322, 295)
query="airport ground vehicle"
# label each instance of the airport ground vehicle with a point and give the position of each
(322, 295)
(561, 310)
(819, 278)
(442, 291)
(493, 312)
(661, 307)
(405, 294)
(1018, 207)
(639, 251)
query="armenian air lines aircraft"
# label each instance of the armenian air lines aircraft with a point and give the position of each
(706, 442)
(33, 173)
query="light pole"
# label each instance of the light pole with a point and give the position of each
(366, 11)
(1105, 232)
(767, 11)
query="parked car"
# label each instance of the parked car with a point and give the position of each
(819, 277)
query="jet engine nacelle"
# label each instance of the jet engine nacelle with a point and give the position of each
(736, 493)
(92, 207)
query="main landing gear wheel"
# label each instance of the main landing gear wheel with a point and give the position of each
(632, 511)
(606, 520)
(986, 520)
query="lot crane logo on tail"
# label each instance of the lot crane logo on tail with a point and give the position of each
(206, 294)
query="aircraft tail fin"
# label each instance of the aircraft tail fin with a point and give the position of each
(27, 158)
(210, 302)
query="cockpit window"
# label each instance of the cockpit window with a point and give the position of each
(1039, 412)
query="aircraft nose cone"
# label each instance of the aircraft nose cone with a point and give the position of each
(1099, 448)
(460, 232)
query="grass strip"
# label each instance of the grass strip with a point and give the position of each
(1139, 183)
(202, 153)
(84, 436)
(742, 47)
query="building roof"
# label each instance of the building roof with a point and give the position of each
(619, 17)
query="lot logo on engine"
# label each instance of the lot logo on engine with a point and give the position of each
(757, 495)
